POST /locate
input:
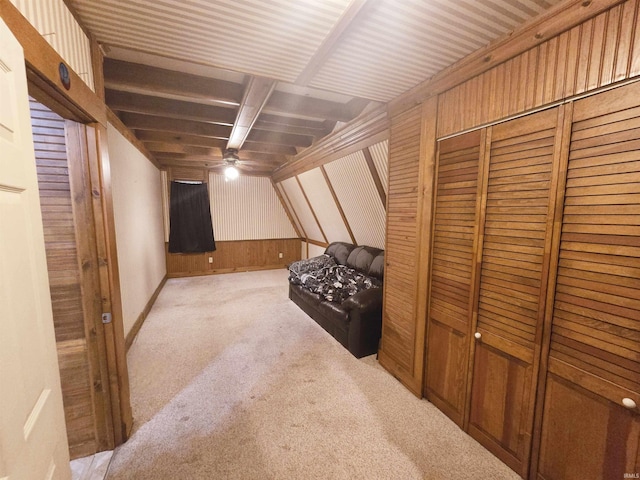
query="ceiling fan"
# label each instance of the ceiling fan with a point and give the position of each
(231, 159)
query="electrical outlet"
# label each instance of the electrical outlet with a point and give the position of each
(210, 259)
(280, 255)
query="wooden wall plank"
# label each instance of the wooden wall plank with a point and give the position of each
(235, 256)
(591, 55)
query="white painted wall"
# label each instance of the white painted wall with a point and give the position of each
(137, 206)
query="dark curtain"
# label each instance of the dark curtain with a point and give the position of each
(190, 229)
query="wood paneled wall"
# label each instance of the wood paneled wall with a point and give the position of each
(74, 290)
(235, 256)
(597, 53)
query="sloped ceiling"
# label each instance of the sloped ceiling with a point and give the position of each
(192, 78)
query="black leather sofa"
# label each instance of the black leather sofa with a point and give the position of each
(356, 322)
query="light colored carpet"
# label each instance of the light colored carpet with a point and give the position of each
(231, 380)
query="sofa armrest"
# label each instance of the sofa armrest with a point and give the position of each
(364, 301)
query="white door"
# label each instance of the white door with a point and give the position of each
(33, 437)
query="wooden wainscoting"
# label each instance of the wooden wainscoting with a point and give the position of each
(235, 256)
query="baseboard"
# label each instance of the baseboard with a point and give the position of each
(217, 271)
(143, 316)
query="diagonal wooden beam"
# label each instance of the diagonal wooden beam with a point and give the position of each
(133, 77)
(149, 105)
(255, 97)
(375, 176)
(136, 121)
(350, 18)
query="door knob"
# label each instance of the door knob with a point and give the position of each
(629, 403)
(478, 335)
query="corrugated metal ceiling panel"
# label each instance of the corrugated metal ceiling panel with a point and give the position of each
(392, 46)
(273, 39)
(357, 193)
(404, 43)
(301, 207)
(324, 206)
(380, 154)
(247, 209)
(292, 212)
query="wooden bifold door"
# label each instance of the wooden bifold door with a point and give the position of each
(533, 325)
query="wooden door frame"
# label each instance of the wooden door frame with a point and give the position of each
(79, 103)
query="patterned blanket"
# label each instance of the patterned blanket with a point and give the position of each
(333, 282)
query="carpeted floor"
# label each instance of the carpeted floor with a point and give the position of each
(231, 380)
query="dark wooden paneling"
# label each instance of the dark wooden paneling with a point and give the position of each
(457, 200)
(235, 256)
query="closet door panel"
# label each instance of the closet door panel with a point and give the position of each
(450, 309)
(515, 257)
(594, 358)
(605, 446)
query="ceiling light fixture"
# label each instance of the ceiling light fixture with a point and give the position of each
(230, 158)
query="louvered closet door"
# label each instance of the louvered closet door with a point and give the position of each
(510, 309)
(399, 323)
(594, 360)
(450, 309)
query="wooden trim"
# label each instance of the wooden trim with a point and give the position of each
(100, 171)
(304, 194)
(97, 62)
(131, 336)
(42, 62)
(88, 267)
(220, 271)
(285, 207)
(554, 21)
(426, 182)
(364, 131)
(337, 202)
(316, 243)
(375, 176)
(115, 121)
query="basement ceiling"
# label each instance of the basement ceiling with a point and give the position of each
(193, 77)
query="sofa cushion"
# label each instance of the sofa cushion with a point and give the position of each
(340, 251)
(362, 257)
(377, 266)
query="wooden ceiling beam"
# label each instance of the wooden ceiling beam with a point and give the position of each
(261, 124)
(264, 136)
(136, 121)
(255, 97)
(353, 15)
(287, 103)
(180, 139)
(246, 158)
(121, 75)
(269, 148)
(218, 168)
(161, 147)
(149, 105)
